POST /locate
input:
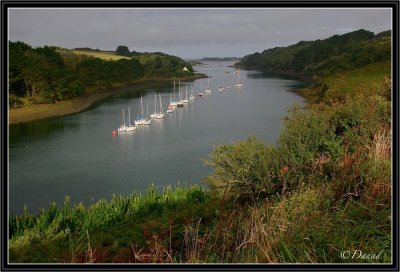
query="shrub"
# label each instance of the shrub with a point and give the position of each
(246, 170)
(14, 101)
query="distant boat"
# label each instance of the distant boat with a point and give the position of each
(174, 103)
(130, 127)
(200, 94)
(208, 90)
(155, 114)
(123, 127)
(147, 120)
(179, 104)
(220, 89)
(161, 113)
(238, 84)
(186, 100)
(170, 106)
(141, 120)
(191, 95)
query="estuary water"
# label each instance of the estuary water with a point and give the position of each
(78, 156)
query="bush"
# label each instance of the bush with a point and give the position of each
(243, 171)
(14, 101)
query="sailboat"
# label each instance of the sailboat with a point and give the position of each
(123, 127)
(238, 84)
(208, 90)
(173, 103)
(155, 114)
(147, 121)
(170, 106)
(161, 113)
(191, 95)
(140, 121)
(130, 127)
(180, 102)
(200, 94)
(186, 100)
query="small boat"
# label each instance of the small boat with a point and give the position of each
(200, 94)
(130, 127)
(171, 106)
(179, 103)
(155, 114)
(161, 113)
(147, 120)
(238, 84)
(208, 90)
(220, 89)
(173, 103)
(191, 97)
(123, 127)
(186, 100)
(142, 120)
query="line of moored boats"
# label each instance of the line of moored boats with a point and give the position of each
(145, 120)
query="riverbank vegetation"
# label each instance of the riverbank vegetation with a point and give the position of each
(322, 194)
(46, 75)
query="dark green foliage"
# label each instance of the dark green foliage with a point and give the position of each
(50, 74)
(122, 50)
(322, 57)
(245, 170)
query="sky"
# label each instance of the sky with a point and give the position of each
(189, 33)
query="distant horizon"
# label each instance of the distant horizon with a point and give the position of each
(197, 58)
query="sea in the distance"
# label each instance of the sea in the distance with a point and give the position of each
(77, 155)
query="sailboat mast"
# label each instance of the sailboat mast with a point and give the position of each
(141, 104)
(155, 103)
(129, 116)
(160, 104)
(174, 90)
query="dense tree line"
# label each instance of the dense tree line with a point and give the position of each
(49, 74)
(352, 50)
(156, 63)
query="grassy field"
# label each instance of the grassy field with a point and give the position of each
(105, 55)
(365, 79)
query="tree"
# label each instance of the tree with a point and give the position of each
(122, 50)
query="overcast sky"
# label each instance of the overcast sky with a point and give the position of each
(188, 33)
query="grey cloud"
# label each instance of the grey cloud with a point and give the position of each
(188, 32)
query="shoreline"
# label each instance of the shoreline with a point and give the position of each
(79, 104)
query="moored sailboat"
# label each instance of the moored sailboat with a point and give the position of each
(191, 94)
(238, 84)
(161, 113)
(155, 114)
(208, 90)
(141, 120)
(123, 126)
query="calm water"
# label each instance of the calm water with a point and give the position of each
(77, 155)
